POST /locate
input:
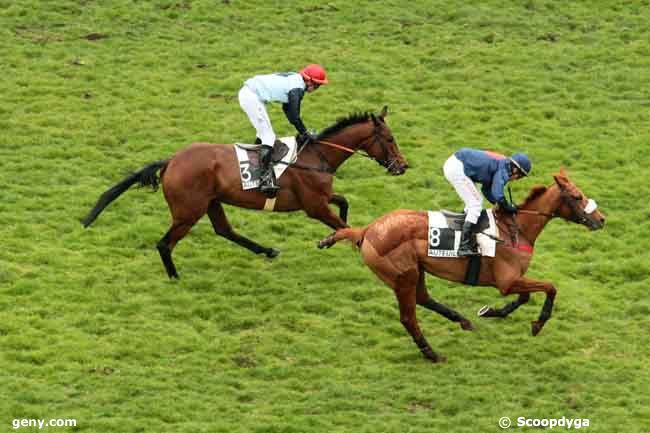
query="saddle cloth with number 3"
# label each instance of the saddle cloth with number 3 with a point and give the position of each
(444, 240)
(249, 166)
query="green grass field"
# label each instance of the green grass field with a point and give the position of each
(92, 329)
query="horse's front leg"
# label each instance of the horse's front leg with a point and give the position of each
(523, 285)
(506, 309)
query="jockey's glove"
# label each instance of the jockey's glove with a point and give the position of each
(307, 137)
(507, 207)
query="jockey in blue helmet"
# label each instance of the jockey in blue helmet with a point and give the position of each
(493, 171)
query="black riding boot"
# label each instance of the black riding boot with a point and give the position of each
(467, 241)
(267, 177)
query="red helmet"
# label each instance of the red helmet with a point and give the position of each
(316, 73)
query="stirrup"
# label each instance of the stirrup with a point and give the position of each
(268, 186)
(269, 190)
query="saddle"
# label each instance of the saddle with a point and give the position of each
(279, 150)
(455, 220)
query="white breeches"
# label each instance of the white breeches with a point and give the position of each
(256, 112)
(465, 188)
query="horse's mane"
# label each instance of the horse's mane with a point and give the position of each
(533, 194)
(344, 122)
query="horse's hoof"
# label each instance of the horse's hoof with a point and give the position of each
(466, 325)
(485, 311)
(272, 253)
(536, 326)
(439, 359)
(325, 243)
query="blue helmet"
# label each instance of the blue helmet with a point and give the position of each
(522, 162)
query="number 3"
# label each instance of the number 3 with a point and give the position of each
(245, 172)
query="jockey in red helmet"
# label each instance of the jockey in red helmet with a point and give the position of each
(314, 73)
(287, 88)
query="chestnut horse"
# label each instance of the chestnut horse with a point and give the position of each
(395, 248)
(199, 178)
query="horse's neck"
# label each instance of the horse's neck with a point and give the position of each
(531, 224)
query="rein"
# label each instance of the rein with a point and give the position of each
(343, 148)
(513, 236)
(536, 212)
(322, 157)
(306, 167)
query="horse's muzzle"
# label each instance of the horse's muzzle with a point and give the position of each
(396, 167)
(595, 223)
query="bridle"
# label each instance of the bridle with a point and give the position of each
(579, 215)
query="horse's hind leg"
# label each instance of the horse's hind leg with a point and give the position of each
(166, 244)
(223, 228)
(405, 289)
(426, 301)
(342, 203)
(506, 309)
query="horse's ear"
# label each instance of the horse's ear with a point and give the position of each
(384, 112)
(374, 119)
(561, 178)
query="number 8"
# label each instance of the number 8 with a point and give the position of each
(434, 236)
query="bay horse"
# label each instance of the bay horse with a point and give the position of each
(199, 178)
(395, 248)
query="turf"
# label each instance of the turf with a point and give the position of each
(91, 328)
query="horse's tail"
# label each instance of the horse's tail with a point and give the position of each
(352, 234)
(148, 176)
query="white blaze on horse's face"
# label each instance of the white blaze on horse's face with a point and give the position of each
(590, 206)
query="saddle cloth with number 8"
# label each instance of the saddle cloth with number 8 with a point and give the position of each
(444, 234)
